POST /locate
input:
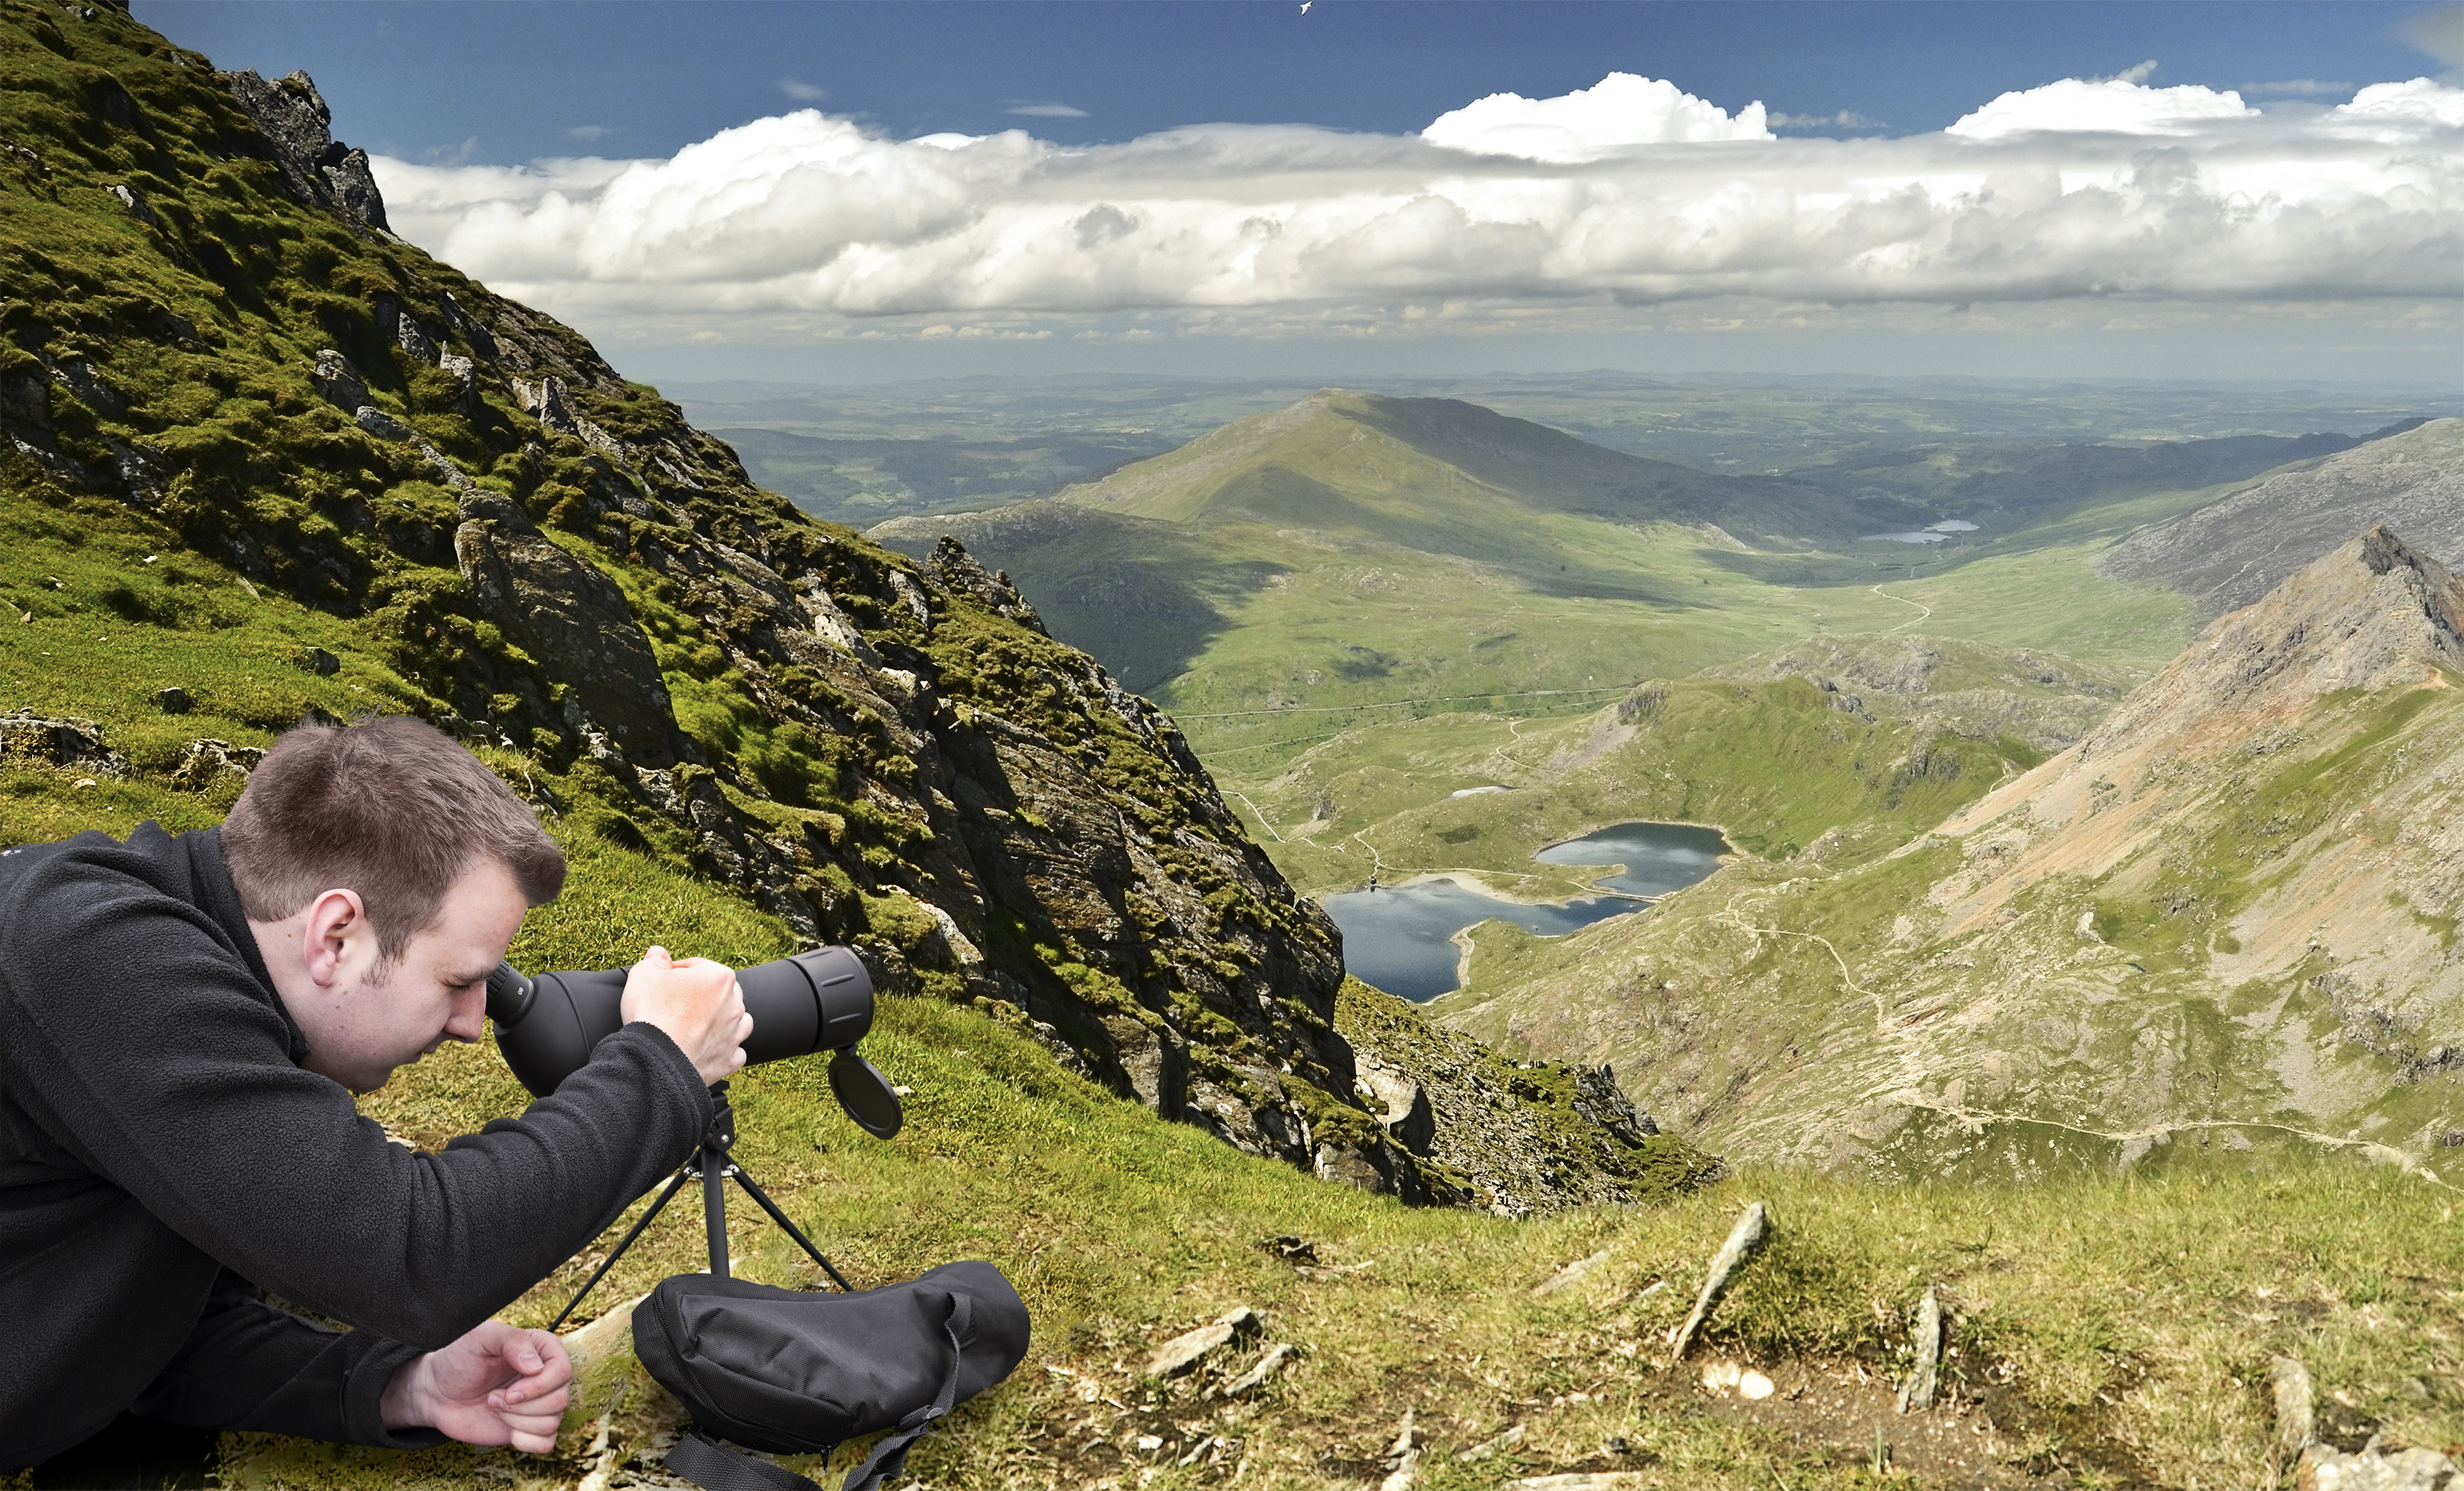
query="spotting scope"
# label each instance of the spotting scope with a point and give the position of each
(813, 1001)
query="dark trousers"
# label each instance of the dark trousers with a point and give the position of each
(133, 1454)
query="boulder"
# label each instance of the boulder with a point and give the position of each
(28, 739)
(208, 760)
(1399, 1102)
(575, 622)
(1183, 1353)
(336, 383)
(385, 426)
(173, 700)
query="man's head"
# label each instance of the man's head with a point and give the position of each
(383, 870)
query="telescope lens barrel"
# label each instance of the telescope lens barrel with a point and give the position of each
(546, 1026)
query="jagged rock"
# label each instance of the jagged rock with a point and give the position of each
(1599, 1098)
(293, 117)
(1917, 1393)
(575, 621)
(336, 383)
(385, 426)
(2327, 1469)
(1489, 1139)
(1401, 1104)
(209, 760)
(1183, 1353)
(1745, 1239)
(954, 567)
(135, 202)
(463, 371)
(2296, 1402)
(28, 740)
(1277, 1354)
(78, 377)
(545, 402)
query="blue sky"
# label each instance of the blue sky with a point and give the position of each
(510, 81)
(1105, 95)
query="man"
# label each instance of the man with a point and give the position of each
(183, 1022)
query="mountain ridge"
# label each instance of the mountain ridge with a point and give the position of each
(2229, 553)
(2225, 916)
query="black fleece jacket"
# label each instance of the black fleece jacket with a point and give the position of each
(165, 1159)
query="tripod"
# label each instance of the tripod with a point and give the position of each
(710, 1164)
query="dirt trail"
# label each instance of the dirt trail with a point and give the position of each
(1923, 610)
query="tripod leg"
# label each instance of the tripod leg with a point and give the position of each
(714, 1207)
(781, 1218)
(674, 1185)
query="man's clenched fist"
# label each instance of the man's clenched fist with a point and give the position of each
(494, 1385)
(697, 1003)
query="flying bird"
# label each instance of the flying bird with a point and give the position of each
(1306, 4)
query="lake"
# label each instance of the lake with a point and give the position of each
(1401, 939)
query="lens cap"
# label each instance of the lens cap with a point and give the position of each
(866, 1094)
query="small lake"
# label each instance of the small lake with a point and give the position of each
(1401, 939)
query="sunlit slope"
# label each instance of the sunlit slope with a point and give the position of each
(1442, 476)
(1795, 750)
(2225, 918)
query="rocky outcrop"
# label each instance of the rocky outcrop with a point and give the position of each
(2232, 552)
(1944, 684)
(1518, 1138)
(320, 170)
(565, 613)
(71, 745)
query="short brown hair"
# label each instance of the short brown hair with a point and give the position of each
(388, 808)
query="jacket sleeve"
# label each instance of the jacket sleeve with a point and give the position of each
(162, 1065)
(250, 1366)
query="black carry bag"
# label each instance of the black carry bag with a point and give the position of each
(797, 1372)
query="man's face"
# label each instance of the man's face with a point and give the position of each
(373, 1019)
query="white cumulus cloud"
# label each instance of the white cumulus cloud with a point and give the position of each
(1631, 193)
(2116, 105)
(1620, 111)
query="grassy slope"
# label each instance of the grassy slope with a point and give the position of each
(2112, 1323)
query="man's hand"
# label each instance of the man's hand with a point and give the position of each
(697, 1003)
(494, 1385)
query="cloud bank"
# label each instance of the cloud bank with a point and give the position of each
(1632, 192)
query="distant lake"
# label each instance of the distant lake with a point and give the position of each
(1658, 857)
(1403, 940)
(1933, 533)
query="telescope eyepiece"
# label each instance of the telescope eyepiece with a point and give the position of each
(509, 993)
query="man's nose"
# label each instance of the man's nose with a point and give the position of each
(470, 1016)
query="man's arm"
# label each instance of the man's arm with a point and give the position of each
(142, 1045)
(250, 1366)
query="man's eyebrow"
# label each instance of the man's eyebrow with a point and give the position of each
(471, 978)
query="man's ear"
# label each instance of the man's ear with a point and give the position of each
(335, 918)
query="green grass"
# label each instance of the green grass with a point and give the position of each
(2117, 1326)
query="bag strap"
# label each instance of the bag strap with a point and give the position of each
(889, 1457)
(714, 1467)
